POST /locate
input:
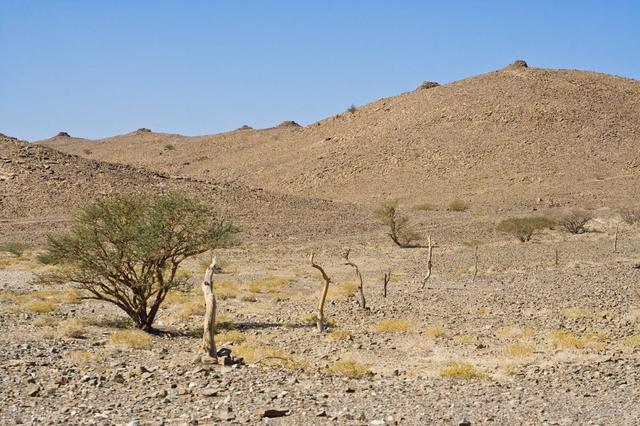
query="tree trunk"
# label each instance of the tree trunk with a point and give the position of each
(429, 253)
(323, 296)
(209, 325)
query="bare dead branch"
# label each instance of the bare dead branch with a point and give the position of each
(362, 301)
(323, 296)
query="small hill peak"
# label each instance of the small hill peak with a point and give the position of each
(63, 135)
(428, 85)
(288, 123)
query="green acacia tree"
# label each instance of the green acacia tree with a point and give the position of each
(126, 249)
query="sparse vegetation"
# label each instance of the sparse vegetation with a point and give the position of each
(349, 368)
(269, 284)
(13, 247)
(42, 306)
(352, 109)
(458, 205)
(400, 231)
(134, 339)
(72, 328)
(233, 336)
(126, 249)
(455, 370)
(523, 228)
(567, 340)
(393, 326)
(435, 331)
(169, 147)
(339, 334)
(575, 221)
(519, 350)
(630, 215)
(425, 207)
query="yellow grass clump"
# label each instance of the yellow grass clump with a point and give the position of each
(41, 306)
(515, 332)
(342, 291)
(85, 356)
(436, 330)
(465, 338)
(254, 352)
(72, 328)
(393, 326)
(232, 336)
(577, 313)
(269, 284)
(567, 340)
(632, 341)
(519, 350)
(455, 370)
(349, 368)
(134, 339)
(339, 334)
(45, 321)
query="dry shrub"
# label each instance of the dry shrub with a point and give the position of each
(519, 350)
(523, 228)
(630, 215)
(425, 207)
(515, 332)
(458, 205)
(45, 321)
(465, 338)
(134, 339)
(393, 326)
(401, 231)
(575, 221)
(13, 247)
(72, 328)
(455, 370)
(349, 368)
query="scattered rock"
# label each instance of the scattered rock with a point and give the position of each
(272, 412)
(33, 390)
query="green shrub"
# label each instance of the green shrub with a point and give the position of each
(127, 249)
(400, 231)
(523, 228)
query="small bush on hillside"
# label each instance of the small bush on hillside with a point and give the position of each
(169, 147)
(458, 205)
(630, 215)
(13, 247)
(45, 258)
(524, 228)
(400, 231)
(349, 368)
(87, 151)
(352, 109)
(575, 221)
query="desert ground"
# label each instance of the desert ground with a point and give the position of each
(503, 332)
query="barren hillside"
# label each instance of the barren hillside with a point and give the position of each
(41, 188)
(519, 135)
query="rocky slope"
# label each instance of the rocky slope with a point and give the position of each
(519, 135)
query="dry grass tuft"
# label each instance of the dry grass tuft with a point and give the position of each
(519, 350)
(41, 306)
(515, 332)
(436, 330)
(254, 352)
(45, 321)
(269, 284)
(455, 370)
(340, 334)
(349, 368)
(563, 339)
(631, 342)
(458, 205)
(231, 336)
(82, 357)
(342, 291)
(72, 328)
(465, 338)
(393, 326)
(425, 207)
(134, 339)
(577, 313)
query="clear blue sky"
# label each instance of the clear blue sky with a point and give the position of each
(98, 68)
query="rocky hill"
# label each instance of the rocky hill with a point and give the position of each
(518, 136)
(41, 189)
